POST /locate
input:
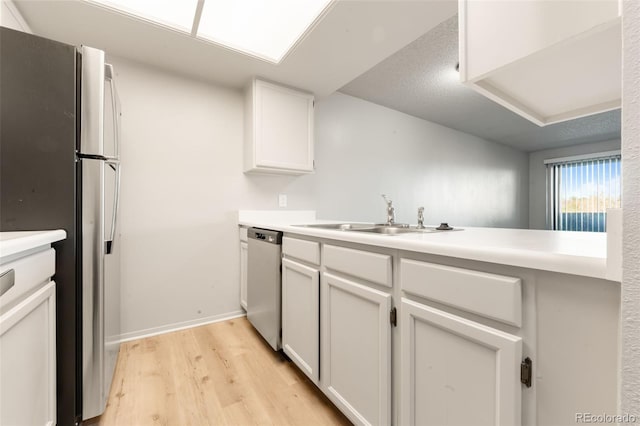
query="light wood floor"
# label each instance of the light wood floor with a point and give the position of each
(218, 374)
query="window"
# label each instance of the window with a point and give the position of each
(580, 189)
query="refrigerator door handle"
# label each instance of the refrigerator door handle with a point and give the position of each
(114, 161)
(99, 157)
(108, 71)
(116, 204)
(108, 75)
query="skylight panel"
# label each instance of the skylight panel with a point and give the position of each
(268, 29)
(178, 14)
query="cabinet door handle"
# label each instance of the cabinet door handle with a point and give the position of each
(7, 280)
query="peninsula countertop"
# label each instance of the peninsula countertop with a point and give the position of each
(575, 253)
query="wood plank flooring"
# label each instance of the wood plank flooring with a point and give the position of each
(218, 374)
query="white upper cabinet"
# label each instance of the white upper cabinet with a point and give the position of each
(548, 61)
(278, 129)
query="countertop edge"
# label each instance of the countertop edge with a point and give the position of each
(30, 240)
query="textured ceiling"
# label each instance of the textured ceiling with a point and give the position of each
(421, 80)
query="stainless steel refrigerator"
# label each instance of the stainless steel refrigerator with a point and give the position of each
(60, 169)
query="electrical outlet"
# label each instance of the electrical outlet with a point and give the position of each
(282, 200)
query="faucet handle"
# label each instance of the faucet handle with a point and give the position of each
(386, 200)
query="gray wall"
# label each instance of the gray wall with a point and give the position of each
(364, 150)
(538, 177)
(630, 333)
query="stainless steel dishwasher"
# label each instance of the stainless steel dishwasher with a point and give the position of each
(264, 284)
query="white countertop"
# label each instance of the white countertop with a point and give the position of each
(576, 253)
(19, 241)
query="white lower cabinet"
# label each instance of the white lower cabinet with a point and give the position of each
(455, 371)
(356, 349)
(301, 317)
(28, 360)
(244, 251)
(450, 370)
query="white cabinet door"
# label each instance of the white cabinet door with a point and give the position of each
(244, 251)
(457, 372)
(356, 349)
(301, 316)
(28, 360)
(278, 129)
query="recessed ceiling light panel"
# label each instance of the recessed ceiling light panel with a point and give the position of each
(267, 29)
(177, 14)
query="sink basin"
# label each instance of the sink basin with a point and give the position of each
(373, 228)
(388, 230)
(339, 226)
(394, 230)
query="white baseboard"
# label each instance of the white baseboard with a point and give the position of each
(154, 331)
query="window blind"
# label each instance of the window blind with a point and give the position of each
(580, 190)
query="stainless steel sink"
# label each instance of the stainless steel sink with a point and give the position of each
(374, 228)
(340, 226)
(391, 230)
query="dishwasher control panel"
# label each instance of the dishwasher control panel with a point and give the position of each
(266, 235)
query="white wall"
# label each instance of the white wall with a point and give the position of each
(364, 150)
(11, 18)
(538, 176)
(630, 373)
(182, 184)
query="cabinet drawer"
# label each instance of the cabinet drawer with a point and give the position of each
(372, 267)
(243, 234)
(493, 296)
(30, 272)
(309, 251)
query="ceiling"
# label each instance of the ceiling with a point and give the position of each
(351, 38)
(397, 53)
(421, 80)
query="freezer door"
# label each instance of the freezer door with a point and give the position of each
(92, 102)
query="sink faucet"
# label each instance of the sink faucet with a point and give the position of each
(391, 213)
(420, 218)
